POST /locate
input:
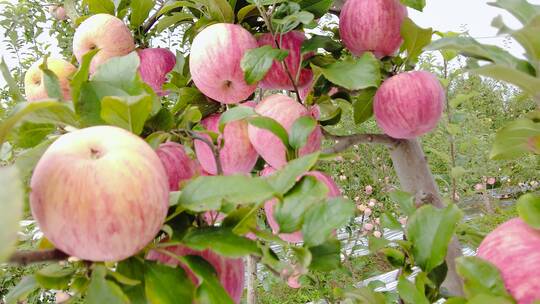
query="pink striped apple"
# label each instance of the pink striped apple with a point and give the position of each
(285, 111)
(216, 53)
(372, 26)
(295, 237)
(100, 193)
(34, 86)
(277, 78)
(236, 155)
(178, 165)
(155, 64)
(514, 248)
(409, 104)
(104, 32)
(230, 271)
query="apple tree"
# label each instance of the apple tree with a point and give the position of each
(151, 174)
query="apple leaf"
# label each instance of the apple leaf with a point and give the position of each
(221, 240)
(480, 277)
(416, 4)
(283, 180)
(526, 36)
(246, 11)
(11, 202)
(321, 42)
(234, 114)
(27, 160)
(301, 130)
(353, 73)
(404, 200)
(326, 257)
(173, 19)
(363, 105)
(11, 82)
(167, 285)
(272, 126)
(28, 134)
(50, 81)
(522, 10)
(323, 218)
(27, 285)
(54, 276)
(129, 112)
(140, 9)
(257, 62)
(102, 290)
(134, 269)
(514, 139)
(100, 6)
(528, 207)
(317, 7)
(120, 72)
(415, 39)
(210, 289)
(409, 293)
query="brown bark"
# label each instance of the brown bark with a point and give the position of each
(29, 257)
(252, 280)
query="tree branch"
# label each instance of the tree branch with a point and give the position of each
(152, 20)
(29, 257)
(344, 142)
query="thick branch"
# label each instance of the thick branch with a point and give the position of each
(344, 142)
(29, 257)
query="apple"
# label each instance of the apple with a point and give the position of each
(58, 12)
(277, 78)
(178, 165)
(230, 271)
(214, 62)
(372, 26)
(409, 104)
(34, 86)
(99, 193)
(285, 111)
(155, 64)
(514, 248)
(236, 155)
(295, 237)
(104, 32)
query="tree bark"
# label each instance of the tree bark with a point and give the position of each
(415, 177)
(252, 280)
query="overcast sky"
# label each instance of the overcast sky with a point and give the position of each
(474, 16)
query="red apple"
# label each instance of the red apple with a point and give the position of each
(214, 62)
(285, 111)
(372, 26)
(155, 64)
(230, 271)
(409, 104)
(104, 32)
(178, 165)
(295, 237)
(237, 155)
(514, 248)
(58, 12)
(100, 193)
(277, 78)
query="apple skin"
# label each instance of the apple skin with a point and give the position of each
(285, 111)
(277, 78)
(372, 26)
(178, 165)
(514, 248)
(99, 194)
(104, 32)
(155, 64)
(409, 104)
(295, 237)
(214, 64)
(58, 12)
(34, 86)
(237, 155)
(230, 271)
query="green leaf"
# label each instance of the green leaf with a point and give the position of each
(206, 193)
(528, 207)
(489, 299)
(257, 62)
(321, 42)
(389, 221)
(288, 16)
(100, 6)
(140, 9)
(119, 72)
(528, 83)
(317, 7)
(394, 256)
(480, 277)
(366, 295)
(221, 240)
(271, 125)
(415, 39)
(28, 134)
(234, 114)
(129, 113)
(405, 201)
(515, 139)
(284, 179)
(27, 160)
(326, 257)
(409, 293)
(79, 79)
(54, 277)
(300, 131)
(376, 244)
(245, 11)
(133, 268)
(363, 105)
(210, 291)
(430, 230)
(102, 291)
(306, 193)
(174, 19)
(322, 219)
(416, 4)
(354, 73)
(27, 285)
(526, 36)
(219, 10)
(51, 82)
(265, 2)
(12, 83)
(522, 10)
(167, 285)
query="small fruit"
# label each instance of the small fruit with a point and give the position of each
(34, 85)
(58, 12)
(155, 64)
(178, 165)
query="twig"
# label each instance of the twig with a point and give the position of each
(344, 142)
(28, 257)
(210, 144)
(152, 20)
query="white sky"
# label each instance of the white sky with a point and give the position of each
(444, 15)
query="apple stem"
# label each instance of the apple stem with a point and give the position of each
(29, 257)
(210, 144)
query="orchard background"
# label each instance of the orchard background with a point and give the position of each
(273, 159)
